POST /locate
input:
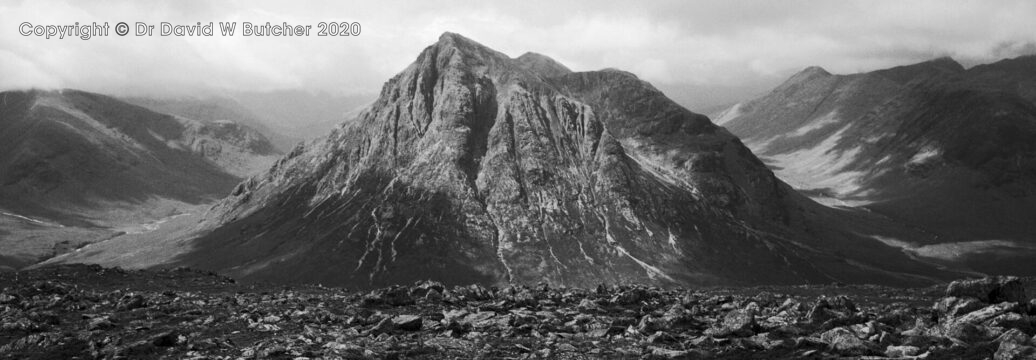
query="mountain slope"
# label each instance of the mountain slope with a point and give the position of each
(931, 145)
(214, 110)
(73, 162)
(475, 167)
(1016, 75)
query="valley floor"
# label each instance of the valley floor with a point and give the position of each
(28, 240)
(87, 311)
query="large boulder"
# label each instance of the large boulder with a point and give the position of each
(991, 290)
(844, 341)
(737, 323)
(1015, 345)
(953, 307)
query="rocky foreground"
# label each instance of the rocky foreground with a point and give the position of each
(91, 312)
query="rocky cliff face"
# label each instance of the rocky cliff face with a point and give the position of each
(475, 167)
(944, 149)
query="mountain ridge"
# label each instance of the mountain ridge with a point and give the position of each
(77, 167)
(930, 144)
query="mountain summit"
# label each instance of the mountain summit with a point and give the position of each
(475, 167)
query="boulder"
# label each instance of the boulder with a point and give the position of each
(394, 296)
(952, 307)
(407, 322)
(901, 351)
(826, 309)
(1015, 345)
(738, 323)
(845, 342)
(990, 290)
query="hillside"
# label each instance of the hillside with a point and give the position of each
(949, 151)
(77, 167)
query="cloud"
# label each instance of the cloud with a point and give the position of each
(742, 44)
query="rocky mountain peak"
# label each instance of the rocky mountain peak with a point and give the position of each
(475, 167)
(449, 37)
(809, 73)
(451, 44)
(802, 78)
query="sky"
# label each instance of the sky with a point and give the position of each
(702, 52)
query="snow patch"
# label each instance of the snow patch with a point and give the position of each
(29, 219)
(608, 232)
(951, 251)
(821, 167)
(653, 272)
(672, 240)
(818, 123)
(729, 114)
(926, 154)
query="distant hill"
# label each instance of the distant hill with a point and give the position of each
(75, 162)
(301, 114)
(216, 109)
(286, 117)
(932, 145)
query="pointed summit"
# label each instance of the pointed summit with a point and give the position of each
(805, 76)
(809, 73)
(456, 51)
(450, 38)
(457, 41)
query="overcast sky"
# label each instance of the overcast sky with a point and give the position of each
(732, 46)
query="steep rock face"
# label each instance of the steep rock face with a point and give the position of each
(944, 149)
(474, 167)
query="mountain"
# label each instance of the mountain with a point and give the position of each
(931, 145)
(74, 165)
(214, 110)
(473, 167)
(286, 117)
(1016, 75)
